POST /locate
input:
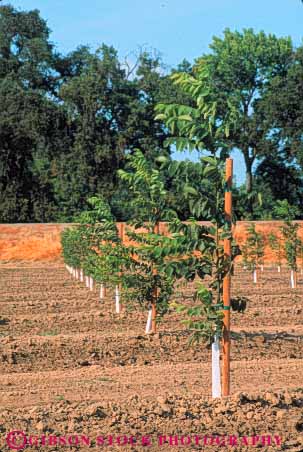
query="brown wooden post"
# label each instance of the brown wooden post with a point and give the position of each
(227, 283)
(121, 235)
(155, 294)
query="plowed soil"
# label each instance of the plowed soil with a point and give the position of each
(70, 365)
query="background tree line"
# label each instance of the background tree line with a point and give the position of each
(68, 122)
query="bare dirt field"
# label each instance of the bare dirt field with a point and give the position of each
(70, 366)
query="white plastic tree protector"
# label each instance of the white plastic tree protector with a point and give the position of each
(86, 281)
(215, 366)
(81, 275)
(255, 276)
(148, 328)
(91, 283)
(279, 268)
(292, 279)
(102, 292)
(262, 268)
(117, 298)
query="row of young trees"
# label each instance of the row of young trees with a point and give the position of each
(67, 122)
(286, 245)
(142, 263)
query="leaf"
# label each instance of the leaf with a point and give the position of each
(185, 118)
(160, 117)
(162, 159)
(190, 190)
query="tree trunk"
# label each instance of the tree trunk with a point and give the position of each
(249, 178)
(249, 160)
(249, 181)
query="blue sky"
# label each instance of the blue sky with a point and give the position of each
(177, 28)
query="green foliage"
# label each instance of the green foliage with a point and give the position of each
(198, 126)
(284, 211)
(70, 251)
(205, 319)
(190, 251)
(68, 121)
(147, 279)
(26, 53)
(277, 178)
(27, 117)
(253, 248)
(292, 243)
(94, 246)
(283, 104)
(276, 246)
(259, 200)
(227, 88)
(204, 245)
(147, 268)
(289, 231)
(147, 187)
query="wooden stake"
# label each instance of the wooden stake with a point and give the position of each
(118, 288)
(154, 313)
(155, 294)
(227, 284)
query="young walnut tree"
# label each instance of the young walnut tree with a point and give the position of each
(146, 280)
(291, 241)
(275, 245)
(253, 250)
